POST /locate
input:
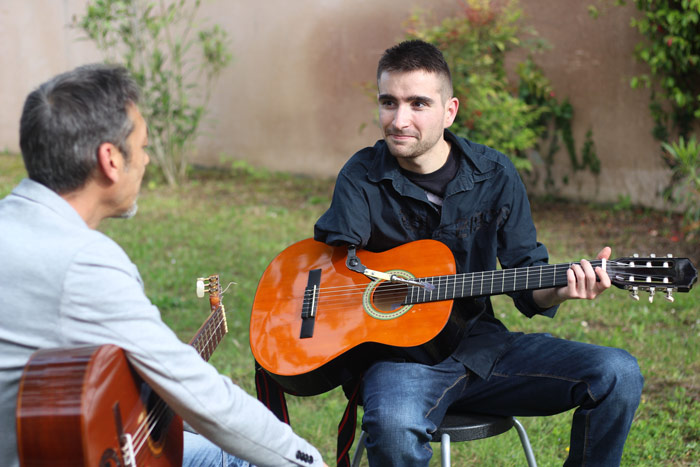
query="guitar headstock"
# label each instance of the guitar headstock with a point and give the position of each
(652, 274)
(213, 287)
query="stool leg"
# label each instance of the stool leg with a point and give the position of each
(445, 450)
(529, 455)
(357, 457)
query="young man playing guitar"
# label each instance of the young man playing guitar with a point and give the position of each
(64, 284)
(423, 182)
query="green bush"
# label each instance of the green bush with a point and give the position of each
(156, 44)
(671, 48)
(555, 121)
(513, 118)
(684, 158)
(474, 44)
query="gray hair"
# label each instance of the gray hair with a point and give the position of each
(66, 119)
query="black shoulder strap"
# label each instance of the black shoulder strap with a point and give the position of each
(347, 425)
(271, 394)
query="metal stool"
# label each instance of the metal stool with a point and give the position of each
(465, 427)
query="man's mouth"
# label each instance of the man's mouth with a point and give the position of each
(401, 136)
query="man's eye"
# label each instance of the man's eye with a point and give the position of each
(420, 104)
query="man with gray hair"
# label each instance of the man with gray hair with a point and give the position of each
(64, 284)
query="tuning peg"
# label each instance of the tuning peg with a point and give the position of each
(200, 287)
(634, 293)
(669, 295)
(652, 290)
(666, 265)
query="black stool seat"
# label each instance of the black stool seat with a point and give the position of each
(460, 426)
(468, 427)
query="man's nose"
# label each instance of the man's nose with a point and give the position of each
(402, 117)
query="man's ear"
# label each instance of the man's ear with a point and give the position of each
(451, 108)
(109, 161)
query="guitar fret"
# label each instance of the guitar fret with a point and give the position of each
(211, 333)
(484, 283)
(527, 278)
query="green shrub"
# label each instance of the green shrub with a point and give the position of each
(671, 48)
(684, 158)
(513, 118)
(155, 43)
(475, 44)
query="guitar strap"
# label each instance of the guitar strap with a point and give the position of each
(271, 394)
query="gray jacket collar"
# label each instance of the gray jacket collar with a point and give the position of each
(38, 193)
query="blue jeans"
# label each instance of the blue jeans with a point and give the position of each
(540, 375)
(200, 452)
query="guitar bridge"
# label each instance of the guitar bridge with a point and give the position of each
(126, 442)
(310, 304)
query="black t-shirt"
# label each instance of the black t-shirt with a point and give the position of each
(435, 183)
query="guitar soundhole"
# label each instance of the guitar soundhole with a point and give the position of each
(159, 418)
(389, 296)
(110, 459)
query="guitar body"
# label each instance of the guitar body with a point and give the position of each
(356, 320)
(67, 410)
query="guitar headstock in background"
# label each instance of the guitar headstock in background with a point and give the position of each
(652, 274)
(213, 287)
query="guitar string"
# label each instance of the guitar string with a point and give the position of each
(505, 272)
(508, 274)
(338, 294)
(549, 270)
(159, 410)
(154, 416)
(335, 301)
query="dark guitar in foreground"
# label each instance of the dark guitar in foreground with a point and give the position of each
(86, 406)
(316, 323)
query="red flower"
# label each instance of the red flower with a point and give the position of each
(669, 41)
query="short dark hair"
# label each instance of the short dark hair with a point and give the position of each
(414, 55)
(66, 119)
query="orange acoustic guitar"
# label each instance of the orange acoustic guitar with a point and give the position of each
(321, 314)
(86, 406)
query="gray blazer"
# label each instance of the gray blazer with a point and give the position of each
(64, 284)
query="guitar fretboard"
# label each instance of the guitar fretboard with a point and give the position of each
(210, 333)
(496, 282)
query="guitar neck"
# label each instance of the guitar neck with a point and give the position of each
(210, 333)
(495, 282)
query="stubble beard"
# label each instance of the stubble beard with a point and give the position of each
(129, 213)
(409, 151)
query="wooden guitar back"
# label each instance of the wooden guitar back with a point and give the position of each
(68, 397)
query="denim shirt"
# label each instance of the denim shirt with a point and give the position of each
(485, 218)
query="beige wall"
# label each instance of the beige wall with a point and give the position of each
(291, 100)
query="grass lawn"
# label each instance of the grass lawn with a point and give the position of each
(234, 223)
